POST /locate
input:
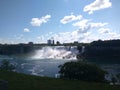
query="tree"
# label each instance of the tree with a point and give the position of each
(5, 65)
(82, 71)
(118, 77)
(113, 80)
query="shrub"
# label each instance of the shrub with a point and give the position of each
(82, 71)
(5, 65)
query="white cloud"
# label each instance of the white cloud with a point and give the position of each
(26, 30)
(41, 39)
(78, 35)
(70, 18)
(65, 37)
(40, 21)
(90, 38)
(114, 35)
(62, 37)
(97, 5)
(97, 25)
(85, 25)
(103, 30)
(81, 24)
(103, 34)
(87, 33)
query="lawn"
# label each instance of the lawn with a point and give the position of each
(17, 81)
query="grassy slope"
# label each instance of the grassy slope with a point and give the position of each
(27, 82)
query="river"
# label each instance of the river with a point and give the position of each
(45, 61)
(39, 67)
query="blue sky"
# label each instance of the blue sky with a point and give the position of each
(22, 21)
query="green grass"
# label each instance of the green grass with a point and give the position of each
(17, 81)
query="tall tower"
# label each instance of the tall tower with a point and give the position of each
(49, 42)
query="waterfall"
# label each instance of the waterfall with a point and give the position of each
(56, 52)
(83, 49)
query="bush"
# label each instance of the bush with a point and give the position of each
(82, 71)
(5, 65)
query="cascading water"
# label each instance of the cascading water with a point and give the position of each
(83, 49)
(56, 52)
(44, 61)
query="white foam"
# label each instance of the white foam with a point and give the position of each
(56, 52)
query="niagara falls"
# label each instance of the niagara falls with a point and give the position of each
(59, 45)
(44, 61)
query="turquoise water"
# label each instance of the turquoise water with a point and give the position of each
(48, 67)
(39, 67)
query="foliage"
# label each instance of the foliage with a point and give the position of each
(118, 77)
(102, 51)
(106, 43)
(5, 65)
(9, 49)
(113, 80)
(82, 71)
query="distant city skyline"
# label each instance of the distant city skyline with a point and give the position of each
(23, 21)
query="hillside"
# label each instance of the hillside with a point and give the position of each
(102, 51)
(17, 81)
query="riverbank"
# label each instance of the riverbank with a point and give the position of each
(18, 81)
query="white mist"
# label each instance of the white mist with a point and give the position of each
(56, 52)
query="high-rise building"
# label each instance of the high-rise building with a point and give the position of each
(50, 42)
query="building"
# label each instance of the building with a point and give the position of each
(76, 43)
(58, 43)
(50, 42)
(30, 43)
